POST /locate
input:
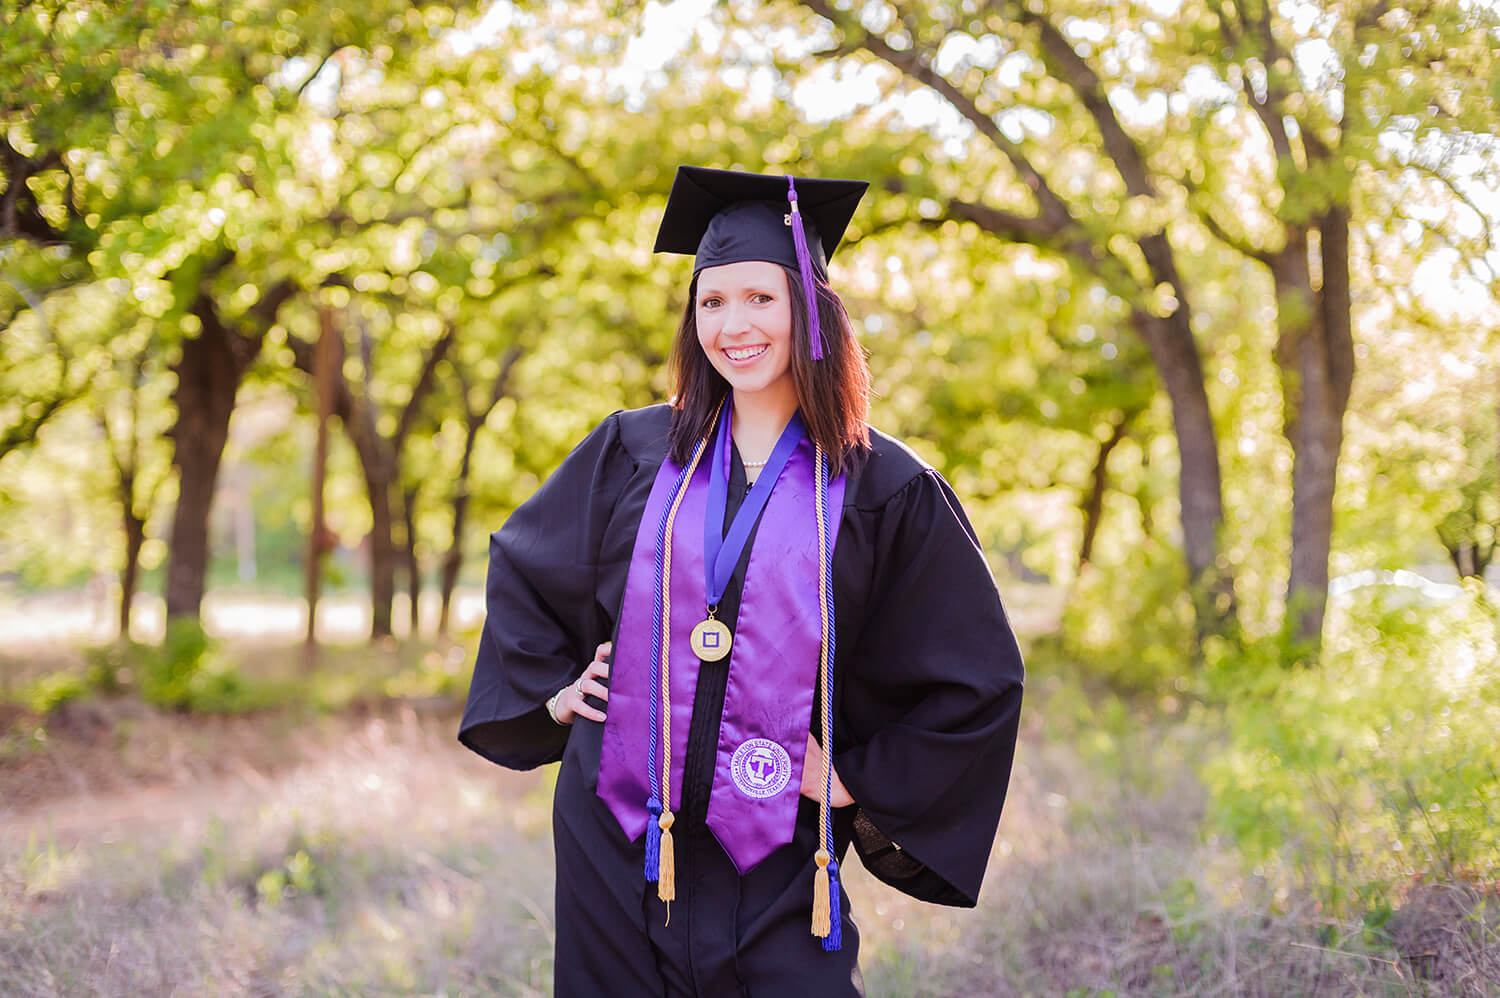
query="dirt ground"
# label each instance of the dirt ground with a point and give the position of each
(109, 769)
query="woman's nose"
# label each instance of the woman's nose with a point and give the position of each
(736, 318)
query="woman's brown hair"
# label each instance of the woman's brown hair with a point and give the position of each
(833, 394)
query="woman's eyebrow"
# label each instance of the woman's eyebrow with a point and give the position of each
(748, 289)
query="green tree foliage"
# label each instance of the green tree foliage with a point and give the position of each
(1124, 139)
(165, 169)
(1052, 164)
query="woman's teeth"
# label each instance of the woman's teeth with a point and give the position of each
(745, 353)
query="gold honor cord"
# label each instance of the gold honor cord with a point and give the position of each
(666, 877)
(822, 912)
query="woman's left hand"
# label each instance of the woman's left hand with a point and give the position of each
(570, 702)
(812, 777)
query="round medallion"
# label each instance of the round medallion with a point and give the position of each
(711, 640)
(761, 768)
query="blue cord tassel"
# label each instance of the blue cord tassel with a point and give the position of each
(653, 840)
(835, 937)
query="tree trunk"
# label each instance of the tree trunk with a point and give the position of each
(1175, 354)
(135, 536)
(1465, 559)
(208, 376)
(1337, 305)
(326, 357)
(379, 460)
(452, 562)
(413, 569)
(378, 481)
(1093, 506)
(454, 559)
(1316, 357)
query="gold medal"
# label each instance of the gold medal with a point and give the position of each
(711, 640)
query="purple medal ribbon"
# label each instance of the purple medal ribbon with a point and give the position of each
(721, 551)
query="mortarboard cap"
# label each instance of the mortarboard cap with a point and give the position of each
(724, 216)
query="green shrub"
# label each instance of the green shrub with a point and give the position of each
(168, 671)
(223, 689)
(1132, 624)
(436, 674)
(1375, 767)
(112, 667)
(190, 672)
(52, 691)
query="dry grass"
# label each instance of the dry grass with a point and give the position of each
(1101, 886)
(393, 864)
(376, 857)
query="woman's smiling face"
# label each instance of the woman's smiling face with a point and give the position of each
(744, 317)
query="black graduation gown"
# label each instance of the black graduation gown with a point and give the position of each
(927, 696)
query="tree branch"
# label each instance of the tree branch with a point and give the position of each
(424, 385)
(1033, 229)
(502, 380)
(1452, 185)
(1235, 29)
(1068, 66)
(415, 154)
(1270, 116)
(25, 431)
(297, 94)
(1229, 25)
(20, 216)
(1236, 243)
(879, 228)
(911, 65)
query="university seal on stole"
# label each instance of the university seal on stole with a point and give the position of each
(761, 768)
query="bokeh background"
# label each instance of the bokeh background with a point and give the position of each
(1193, 301)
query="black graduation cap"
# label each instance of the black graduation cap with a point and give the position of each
(724, 216)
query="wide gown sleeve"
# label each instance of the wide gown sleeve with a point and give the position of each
(541, 623)
(936, 680)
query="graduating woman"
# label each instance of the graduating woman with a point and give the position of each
(754, 630)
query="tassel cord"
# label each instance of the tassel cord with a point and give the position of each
(835, 938)
(653, 805)
(826, 919)
(820, 909)
(666, 885)
(804, 267)
(666, 876)
(653, 840)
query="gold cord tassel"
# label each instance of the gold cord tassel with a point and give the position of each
(821, 921)
(666, 877)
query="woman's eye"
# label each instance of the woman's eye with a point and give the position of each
(761, 299)
(709, 303)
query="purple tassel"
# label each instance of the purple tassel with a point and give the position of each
(804, 264)
(653, 840)
(835, 939)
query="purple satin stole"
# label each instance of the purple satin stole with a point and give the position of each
(773, 664)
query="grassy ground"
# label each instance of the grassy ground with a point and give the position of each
(364, 853)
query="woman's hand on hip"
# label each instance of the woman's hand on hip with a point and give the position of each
(570, 700)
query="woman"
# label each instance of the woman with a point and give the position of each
(751, 568)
